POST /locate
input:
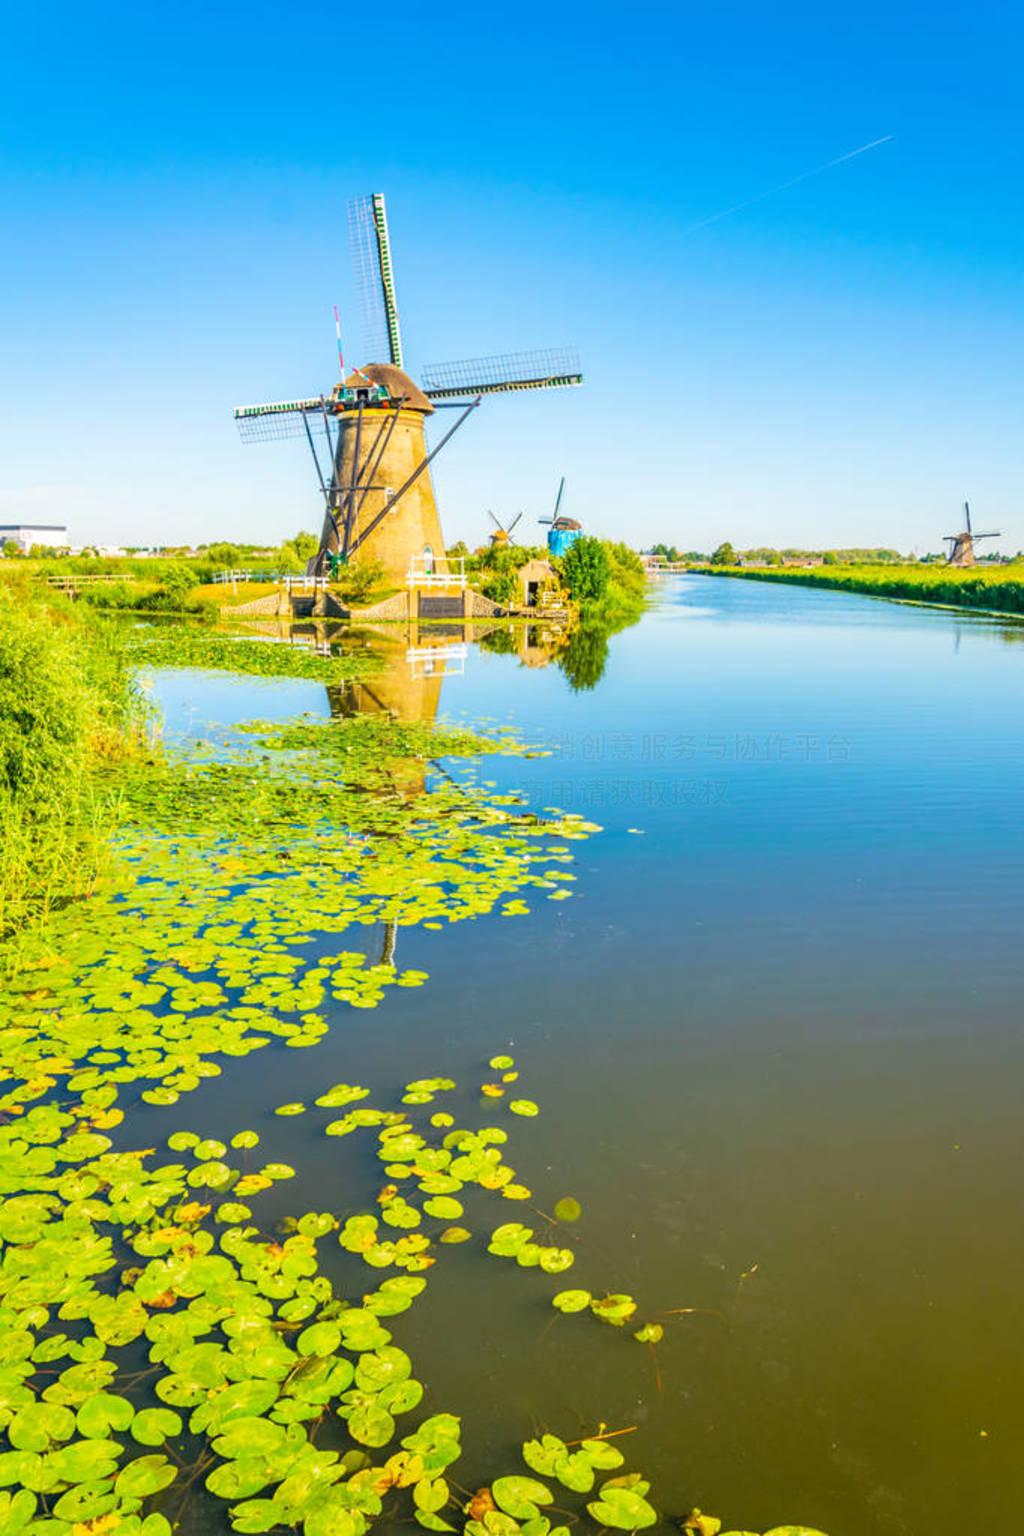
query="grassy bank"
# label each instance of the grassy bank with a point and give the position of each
(69, 707)
(997, 588)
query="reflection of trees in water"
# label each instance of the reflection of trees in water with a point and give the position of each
(585, 656)
(504, 642)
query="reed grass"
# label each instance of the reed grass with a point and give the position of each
(69, 709)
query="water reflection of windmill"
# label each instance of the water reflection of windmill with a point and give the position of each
(961, 545)
(366, 437)
(406, 687)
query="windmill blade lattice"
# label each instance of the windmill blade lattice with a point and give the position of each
(270, 423)
(371, 256)
(557, 367)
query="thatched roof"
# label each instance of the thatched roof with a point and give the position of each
(398, 384)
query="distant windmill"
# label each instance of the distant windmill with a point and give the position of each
(961, 550)
(563, 531)
(503, 538)
(366, 436)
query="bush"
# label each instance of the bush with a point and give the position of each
(586, 569)
(355, 582)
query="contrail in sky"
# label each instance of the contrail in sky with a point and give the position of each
(784, 185)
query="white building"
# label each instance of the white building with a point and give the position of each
(53, 535)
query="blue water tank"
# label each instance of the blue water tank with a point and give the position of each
(560, 539)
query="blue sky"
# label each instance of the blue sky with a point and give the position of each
(838, 363)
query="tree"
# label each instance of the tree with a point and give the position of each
(175, 589)
(305, 544)
(724, 555)
(585, 568)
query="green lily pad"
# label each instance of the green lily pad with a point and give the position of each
(615, 1309)
(152, 1426)
(144, 1476)
(103, 1412)
(650, 1333)
(16, 1510)
(250, 1436)
(371, 1425)
(520, 1496)
(622, 1509)
(571, 1301)
(319, 1339)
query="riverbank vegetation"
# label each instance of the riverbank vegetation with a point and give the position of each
(997, 588)
(606, 580)
(69, 708)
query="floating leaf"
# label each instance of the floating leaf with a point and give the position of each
(103, 1412)
(152, 1426)
(623, 1509)
(508, 1240)
(430, 1494)
(602, 1455)
(371, 1425)
(650, 1333)
(443, 1207)
(701, 1525)
(555, 1260)
(568, 1209)
(319, 1339)
(571, 1301)
(524, 1107)
(520, 1496)
(143, 1477)
(614, 1309)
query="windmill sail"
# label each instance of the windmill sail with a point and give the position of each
(555, 368)
(283, 418)
(371, 254)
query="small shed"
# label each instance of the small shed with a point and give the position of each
(535, 578)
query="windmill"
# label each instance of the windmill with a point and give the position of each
(562, 531)
(961, 545)
(503, 539)
(366, 436)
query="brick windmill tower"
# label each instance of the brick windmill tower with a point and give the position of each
(367, 436)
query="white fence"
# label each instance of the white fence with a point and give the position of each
(288, 579)
(431, 571)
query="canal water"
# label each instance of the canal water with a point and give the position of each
(775, 1037)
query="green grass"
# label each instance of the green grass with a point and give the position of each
(998, 588)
